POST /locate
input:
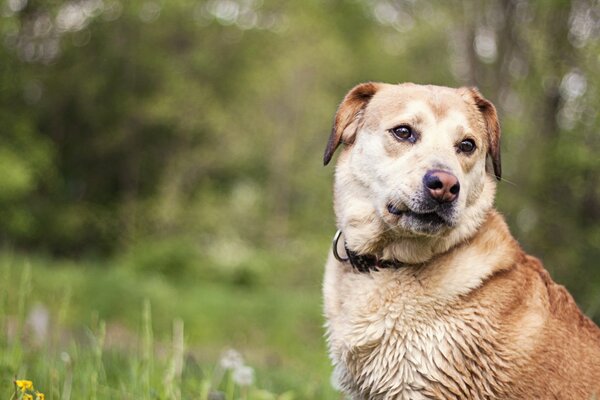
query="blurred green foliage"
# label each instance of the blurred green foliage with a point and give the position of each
(183, 139)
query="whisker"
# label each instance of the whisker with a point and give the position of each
(507, 181)
(503, 179)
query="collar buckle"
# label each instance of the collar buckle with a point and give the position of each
(337, 256)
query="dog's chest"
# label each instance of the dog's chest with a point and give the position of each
(399, 343)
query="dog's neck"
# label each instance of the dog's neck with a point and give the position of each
(451, 267)
(466, 265)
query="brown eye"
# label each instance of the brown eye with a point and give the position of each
(467, 146)
(404, 133)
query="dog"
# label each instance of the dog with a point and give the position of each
(426, 293)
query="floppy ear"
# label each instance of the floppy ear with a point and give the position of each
(348, 116)
(492, 125)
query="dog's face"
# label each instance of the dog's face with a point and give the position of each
(414, 164)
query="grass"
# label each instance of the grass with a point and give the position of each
(97, 331)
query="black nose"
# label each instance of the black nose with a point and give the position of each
(442, 186)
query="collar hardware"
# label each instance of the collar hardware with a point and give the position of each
(364, 263)
(337, 256)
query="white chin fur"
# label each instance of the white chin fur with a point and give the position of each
(366, 232)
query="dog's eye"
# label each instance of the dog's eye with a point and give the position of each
(404, 133)
(467, 146)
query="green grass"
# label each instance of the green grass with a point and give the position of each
(117, 332)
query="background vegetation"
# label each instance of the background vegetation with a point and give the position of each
(171, 151)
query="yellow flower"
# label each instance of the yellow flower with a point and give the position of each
(39, 396)
(27, 397)
(24, 385)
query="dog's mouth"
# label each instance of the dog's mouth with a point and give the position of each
(422, 221)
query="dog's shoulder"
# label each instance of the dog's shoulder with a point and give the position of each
(561, 304)
(566, 354)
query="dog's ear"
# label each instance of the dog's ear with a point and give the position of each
(492, 125)
(348, 116)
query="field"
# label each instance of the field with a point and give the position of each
(108, 331)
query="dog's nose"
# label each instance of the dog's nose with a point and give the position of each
(442, 186)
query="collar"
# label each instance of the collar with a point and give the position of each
(362, 262)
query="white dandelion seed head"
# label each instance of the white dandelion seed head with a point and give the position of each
(38, 321)
(231, 359)
(243, 375)
(65, 357)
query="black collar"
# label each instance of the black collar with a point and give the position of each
(362, 262)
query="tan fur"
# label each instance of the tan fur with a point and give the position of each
(472, 316)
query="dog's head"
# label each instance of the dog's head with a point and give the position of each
(413, 167)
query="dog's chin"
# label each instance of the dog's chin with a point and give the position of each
(413, 223)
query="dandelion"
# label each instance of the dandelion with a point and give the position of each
(26, 388)
(231, 359)
(24, 385)
(243, 375)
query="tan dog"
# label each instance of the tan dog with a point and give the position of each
(432, 298)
